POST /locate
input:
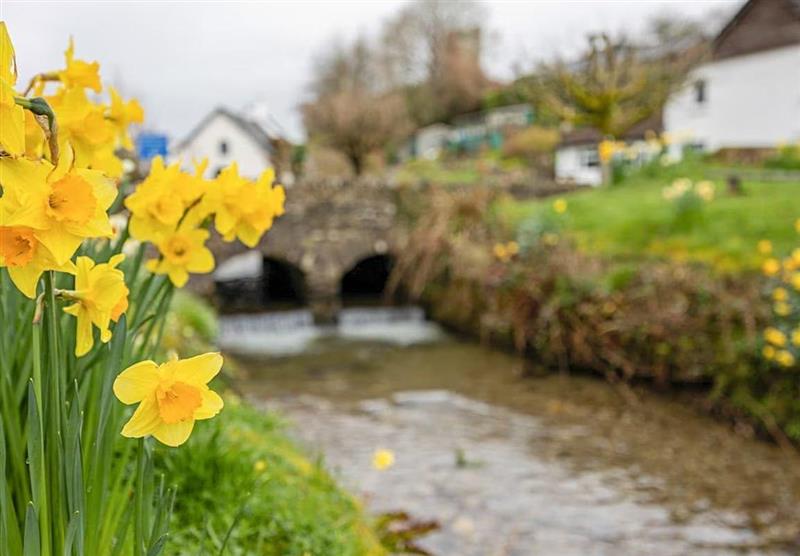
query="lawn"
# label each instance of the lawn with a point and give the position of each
(632, 219)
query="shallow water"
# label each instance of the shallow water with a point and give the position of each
(518, 466)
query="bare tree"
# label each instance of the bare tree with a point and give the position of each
(350, 110)
(432, 50)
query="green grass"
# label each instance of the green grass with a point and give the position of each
(241, 468)
(632, 219)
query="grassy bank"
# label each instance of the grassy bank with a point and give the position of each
(243, 485)
(632, 219)
(519, 274)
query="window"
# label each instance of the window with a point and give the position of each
(700, 91)
(223, 147)
(589, 158)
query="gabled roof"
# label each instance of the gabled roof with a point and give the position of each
(592, 136)
(252, 129)
(759, 25)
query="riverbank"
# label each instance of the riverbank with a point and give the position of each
(530, 283)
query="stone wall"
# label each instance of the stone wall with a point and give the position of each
(328, 227)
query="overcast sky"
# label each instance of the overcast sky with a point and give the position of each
(181, 59)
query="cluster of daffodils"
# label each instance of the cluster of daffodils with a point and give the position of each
(59, 170)
(171, 209)
(684, 188)
(504, 252)
(782, 339)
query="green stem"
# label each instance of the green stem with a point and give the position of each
(42, 499)
(138, 524)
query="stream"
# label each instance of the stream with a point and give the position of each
(512, 465)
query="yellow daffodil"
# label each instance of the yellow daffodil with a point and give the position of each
(12, 130)
(242, 208)
(795, 281)
(84, 126)
(560, 206)
(771, 267)
(705, 190)
(780, 294)
(62, 204)
(500, 252)
(161, 200)
(768, 352)
(784, 358)
(782, 308)
(775, 336)
(796, 336)
(171, 397)
(765, 247)
(79, 73)
(100, 297)
(183, 252)
(123, 114)
(259, 466)
(382, 459)
(26, 258)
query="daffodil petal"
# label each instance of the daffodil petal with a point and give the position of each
(84, 339)
(26, 278)
(212, 405)
(145, 420)
(198, 370)
(136, 382)
(174, 434)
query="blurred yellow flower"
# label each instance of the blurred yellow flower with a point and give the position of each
(383, 459)
(560, 206)
(775, 336)
(123, 114)
(500, 252)
(780, 294)
(512, 247)
(705, 190)
(782, 308)
(182, 252)
(795, 280)
(771, 267)
(784, 358)
(84, 126)
(765, 247)
(79, 73)
(242, 208)
(796, 336)
(100, 296)
(768, 352)
(155, 206)
(259, 466)
(171, 397)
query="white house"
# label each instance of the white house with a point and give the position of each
(748, 95)
(577, 157)
(225, 137)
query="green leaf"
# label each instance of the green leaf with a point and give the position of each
(32, 545)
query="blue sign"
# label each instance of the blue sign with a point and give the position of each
(151, 145)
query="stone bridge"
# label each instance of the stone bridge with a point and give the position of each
(330, 233)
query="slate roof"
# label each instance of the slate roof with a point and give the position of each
(249, 127)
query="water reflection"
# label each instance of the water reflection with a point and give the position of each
(519, 466)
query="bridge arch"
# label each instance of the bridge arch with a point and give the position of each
(252, 281)
(365, 280)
